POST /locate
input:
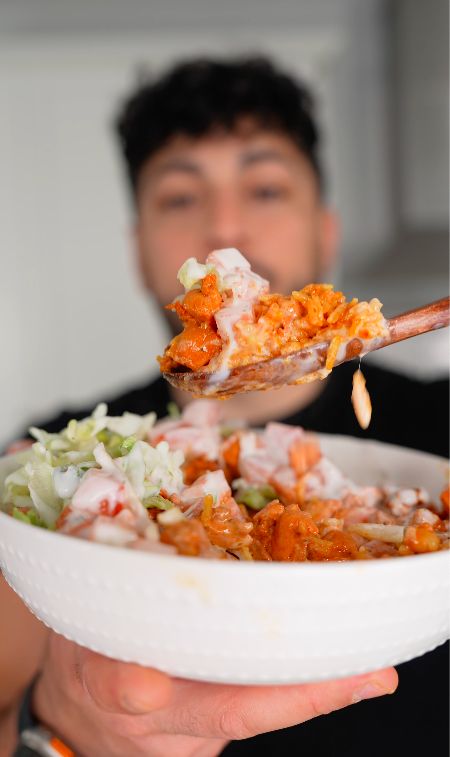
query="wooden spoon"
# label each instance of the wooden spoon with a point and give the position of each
(307, 364)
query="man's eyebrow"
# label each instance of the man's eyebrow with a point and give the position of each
(259, 156)
(178, 164)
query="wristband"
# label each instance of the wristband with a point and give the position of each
(34, 739)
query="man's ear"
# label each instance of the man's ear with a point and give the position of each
(330, 236)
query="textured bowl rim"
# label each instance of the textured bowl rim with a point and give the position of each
(152, 559)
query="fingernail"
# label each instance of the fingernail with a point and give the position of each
(368, 691)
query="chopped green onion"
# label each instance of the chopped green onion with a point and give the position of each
(19, 491)
(226, 431)
(113, 443)
(104, 436)
(128, 444)
(31, 517)
(173, 411)
(256, 497)
(268, 492)
(20, 515)
(157, 501)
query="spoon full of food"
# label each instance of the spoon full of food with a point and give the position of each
(240, 337)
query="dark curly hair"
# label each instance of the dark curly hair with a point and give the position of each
(199, 96)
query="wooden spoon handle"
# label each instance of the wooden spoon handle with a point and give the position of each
(419, 321)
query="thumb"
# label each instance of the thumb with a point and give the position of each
(122, 688)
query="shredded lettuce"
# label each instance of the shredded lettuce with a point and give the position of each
(55, 465)
(16, 488)
(130, 424)
(192, 272)
(75, 444)
(150, 469)
(42, 491)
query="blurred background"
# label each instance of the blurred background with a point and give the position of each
(69, 296)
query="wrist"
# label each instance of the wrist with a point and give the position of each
(34, 739)
(43, 711)
(8, 730)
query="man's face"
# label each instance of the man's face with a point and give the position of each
(256, 192)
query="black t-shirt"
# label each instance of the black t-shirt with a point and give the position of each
(406, 412)
(414, 720)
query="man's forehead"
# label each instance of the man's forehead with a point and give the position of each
(192, 154)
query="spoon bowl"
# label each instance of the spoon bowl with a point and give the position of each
(307, 364)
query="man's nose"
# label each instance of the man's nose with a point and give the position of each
(226, 225)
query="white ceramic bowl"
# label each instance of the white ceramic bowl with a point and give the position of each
(242, 622)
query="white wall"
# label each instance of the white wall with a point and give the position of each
(423, 112)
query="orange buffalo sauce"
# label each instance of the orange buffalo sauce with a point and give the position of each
(275, 325)
(199, 341)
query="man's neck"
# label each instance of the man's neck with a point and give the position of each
(259, 407)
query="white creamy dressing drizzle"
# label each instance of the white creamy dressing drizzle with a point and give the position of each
(243, 287)
(218, 376)
(66, 481)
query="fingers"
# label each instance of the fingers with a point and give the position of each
(302, 703)
(120, 687)
(233, 712)
(180, 707)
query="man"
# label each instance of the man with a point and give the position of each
(227, 155)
